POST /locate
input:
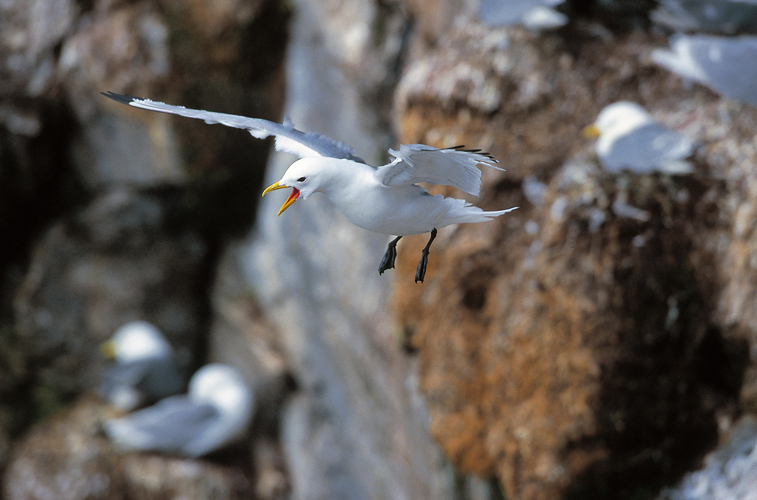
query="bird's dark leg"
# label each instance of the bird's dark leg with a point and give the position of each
(421, 272)
(389, 256)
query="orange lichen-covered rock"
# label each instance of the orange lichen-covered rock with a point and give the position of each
(575, 345)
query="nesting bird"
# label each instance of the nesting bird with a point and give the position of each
(726, 65)
(533, 14)
(385, 199)
(724, 17)
(630, 139)
(216, 412)
(144, 368)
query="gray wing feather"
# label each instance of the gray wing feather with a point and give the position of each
(727, 17)
(157, 378)
(450, 167)
(727, 65)
(650, 148)
(166, 426)
(288, 138)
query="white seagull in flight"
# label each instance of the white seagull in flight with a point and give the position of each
(383, 199)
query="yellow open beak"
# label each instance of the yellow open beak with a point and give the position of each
(292, 197)
(590, 132)
(273, 187)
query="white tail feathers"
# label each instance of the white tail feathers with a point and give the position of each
(464, 212)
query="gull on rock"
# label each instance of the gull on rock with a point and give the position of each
(385, 199)
(144, 368)
(722, 17)
(216, 412)
(727, 65)
(630, 139)
(534, 14)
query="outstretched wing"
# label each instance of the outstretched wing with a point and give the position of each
(288, 138)
(649, 148)
(451, 167)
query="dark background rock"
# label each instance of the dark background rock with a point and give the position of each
(99, 181)
(110, 215)
(728, 472)
(118, 261)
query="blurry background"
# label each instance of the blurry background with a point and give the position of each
(598, 342)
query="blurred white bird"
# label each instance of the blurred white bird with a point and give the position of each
(534, 14)
(725, 17)
(144, 368)
(384, 200)
(216, 412)
(629, 139)
(727, 65)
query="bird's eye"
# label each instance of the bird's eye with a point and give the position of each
(301, 179)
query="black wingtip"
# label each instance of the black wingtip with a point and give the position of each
(122, 98)
(476, 151)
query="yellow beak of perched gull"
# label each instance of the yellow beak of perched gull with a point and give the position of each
(629, 139)
(385, 199)
(144, 367)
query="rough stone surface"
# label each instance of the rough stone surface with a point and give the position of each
(31, 33)
(356, 427)
(69, 458)
(111, 264)
(367, 40)
(242, 335)
(434, 19)
(729, 472)
(114, 264)
(62, 142)
(108, 214)
(539, 335)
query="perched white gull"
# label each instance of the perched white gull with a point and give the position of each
(144, 368)
(216, 412)
(727, 65)
(533, 14)
(724, 17)
(384, 200)
(629, 139)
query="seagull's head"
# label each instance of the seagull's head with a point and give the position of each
(136, 341)
(618, 119)
(222, 386)
(305, 177)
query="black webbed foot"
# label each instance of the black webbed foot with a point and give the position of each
(420, 273)
(387, 262)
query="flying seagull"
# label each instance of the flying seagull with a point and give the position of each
(383, 199)
(144, 369)
(216, 412)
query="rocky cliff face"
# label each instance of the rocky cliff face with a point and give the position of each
(120, 182)
(595, 343)
(563, 348)
(110, 215)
